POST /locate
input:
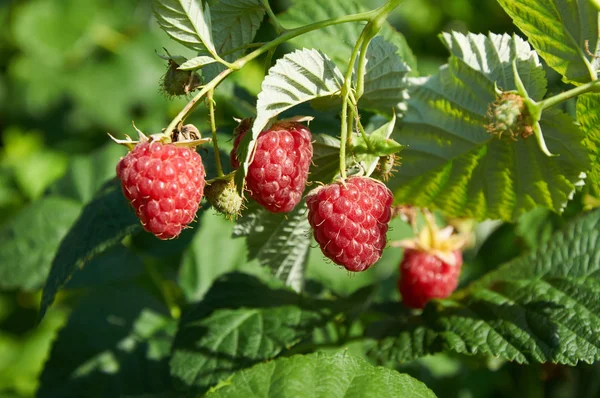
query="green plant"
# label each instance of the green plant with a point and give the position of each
(247, 305)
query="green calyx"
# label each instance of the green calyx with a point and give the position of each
(223, 196)
(178, 82)
(508, 117)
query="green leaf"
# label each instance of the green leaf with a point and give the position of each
(539, 308)
(337, 41)
(385, 84)
(103, 222)
(197, 62)
(452, 163)
(296, 78)
(125, 350)
(240, 322)
(279, 242)
(558, 30)
(213, 252)
(588, 116)
(86, 174)
(321, 375)
(187, 21)
(235, 23)
(30, 240)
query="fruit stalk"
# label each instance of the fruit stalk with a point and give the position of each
(213, 130)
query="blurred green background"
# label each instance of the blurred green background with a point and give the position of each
(71, 71)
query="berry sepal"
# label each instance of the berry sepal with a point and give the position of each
(187, 136)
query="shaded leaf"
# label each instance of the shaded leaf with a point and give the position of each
(103, 222)
(588, 116)
(30, 240)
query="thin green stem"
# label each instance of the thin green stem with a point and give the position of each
(343, 137)
(272, 17)
(240, 63)
(268, 60)
(213, 129)
(593, 86)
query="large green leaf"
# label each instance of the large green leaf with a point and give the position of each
(296, 78)
(337, 41)
(558, 30)
(103, 222)
(452, 163)
(588, 116)
(278, 241)
(125, 350)
(539, 308)
(187, 21)
(240, 322)
(320, 375)
(30, 240)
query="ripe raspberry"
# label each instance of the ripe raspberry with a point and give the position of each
(164, 184)
(424, 276)
(350, 221)
(277, 176)
(239, 133)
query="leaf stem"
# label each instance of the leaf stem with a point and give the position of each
(280, 29)
(593, 86)
(213, 129)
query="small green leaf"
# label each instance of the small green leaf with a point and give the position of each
(337, 41)
(30, 240)
(539, 308)
(588, 116)
(368, 151)
(321, 376)
(197, 63)
(296, 78)
(385, 84)
(452, 163)
(558, 30)
(187, 21)
(103, 222)
(240, 322)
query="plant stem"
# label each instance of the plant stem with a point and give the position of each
(240, 63)
(593, 86)
(272, 17)
(213, 129)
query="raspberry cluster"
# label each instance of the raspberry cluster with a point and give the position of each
(350, 221)
(164, 184)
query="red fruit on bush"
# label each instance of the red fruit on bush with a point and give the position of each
(278, 173)
(164, 183)
(350, 220)
(425, 276)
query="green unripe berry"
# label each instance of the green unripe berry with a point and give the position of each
(224, 198)
(509, 118)
(178, 82)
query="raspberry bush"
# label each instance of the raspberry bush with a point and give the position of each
(319, 191)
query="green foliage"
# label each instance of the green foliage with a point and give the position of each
(559, 30)
(29, 242)
(102, 223)
(240, 322)
(589, 120)
(538, 308)
(453, 164)
(337, 41)
(320, 375)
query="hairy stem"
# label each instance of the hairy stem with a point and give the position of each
(213, 129)
(593, 86)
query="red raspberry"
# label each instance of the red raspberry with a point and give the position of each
(350, 221)
(425, 276)
(277, 176)
(164, 184)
